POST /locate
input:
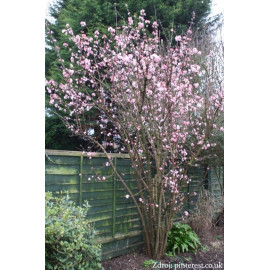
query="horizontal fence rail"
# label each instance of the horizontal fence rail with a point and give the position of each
(116, 218)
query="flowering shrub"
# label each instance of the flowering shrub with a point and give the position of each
(148, 97)
(69, 237)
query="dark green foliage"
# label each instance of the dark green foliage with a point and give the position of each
(182, 238)
(69, 236)
(99, 14)
(57, 136)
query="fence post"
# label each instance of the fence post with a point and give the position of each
(188, 200)
(81, 168)
(114, 200)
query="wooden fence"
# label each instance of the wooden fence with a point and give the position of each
(115, 217)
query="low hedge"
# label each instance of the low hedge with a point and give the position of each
(70, 237)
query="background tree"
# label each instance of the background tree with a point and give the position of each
(59, 137)
(155, 98)
(99, 15)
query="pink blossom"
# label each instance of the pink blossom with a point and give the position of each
(186, 213)
(127, 196)
(111, 30)
(130, 21)
(178, 38)
(142, 12)
(83, 24)
(140, 25)
(155, 57)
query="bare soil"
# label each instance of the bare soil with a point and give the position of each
(212, 253)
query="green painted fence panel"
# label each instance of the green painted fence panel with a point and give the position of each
(116, 218)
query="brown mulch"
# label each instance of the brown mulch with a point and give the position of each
(211, 253)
